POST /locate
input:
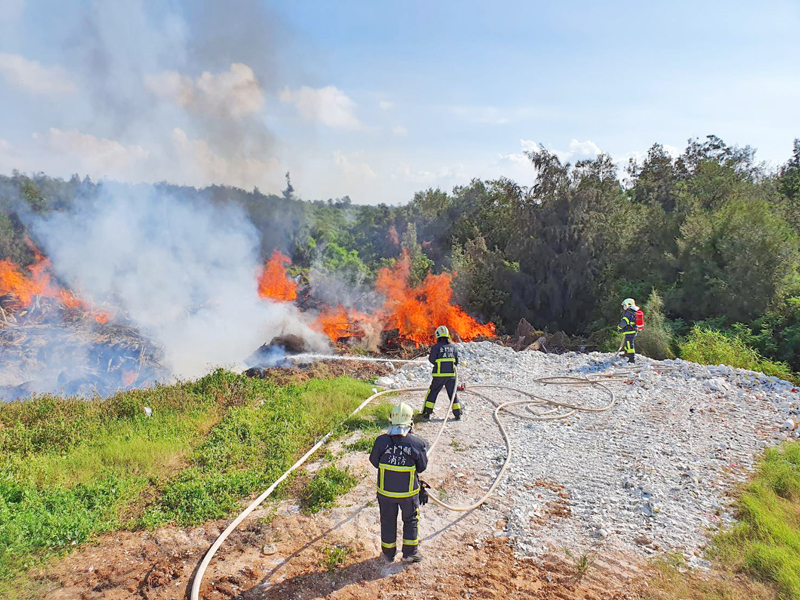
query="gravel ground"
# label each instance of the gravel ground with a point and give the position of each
(653, 474)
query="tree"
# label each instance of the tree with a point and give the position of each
(789, 187)
(288, 193)
(735, 260)
(421, 265)
(481, 277)
(568, 230)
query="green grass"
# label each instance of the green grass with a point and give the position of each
(757, 558)
(363, 444)
(71, 469)
(335, 556)
(765, 542)
(371, 422)
(327, 485)
(710, 347)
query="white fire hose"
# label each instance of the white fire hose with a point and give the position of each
(532, 400)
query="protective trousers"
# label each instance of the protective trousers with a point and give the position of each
(629, 345)
(437, 384)
(409, 509)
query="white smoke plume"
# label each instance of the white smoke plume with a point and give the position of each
(183, 271)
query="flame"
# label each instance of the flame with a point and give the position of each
(129, 378)
(416, 312)
(24, 288)
(340, 322)
(273, 282)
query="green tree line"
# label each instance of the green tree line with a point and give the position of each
(713, 232)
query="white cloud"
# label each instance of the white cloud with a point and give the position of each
(329, 105)
(673, 151)
(385, 105)
(235, 93)
(31, 76)
(95, 156)
(400, 131)
(353, 166)
(577, 150)
(444, 177)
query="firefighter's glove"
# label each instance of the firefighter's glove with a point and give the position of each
(423, 493)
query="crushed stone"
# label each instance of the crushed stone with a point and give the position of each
(653, 474)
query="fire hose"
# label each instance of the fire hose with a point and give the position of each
(531, 401)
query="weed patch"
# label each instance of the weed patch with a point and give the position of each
(327, 485)
(335, 556)
(363, 444)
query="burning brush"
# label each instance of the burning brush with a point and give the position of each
(51, 340)
(407, 317)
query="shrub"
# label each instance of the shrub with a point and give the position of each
(709, 347)
(328, 484)
(655, 340)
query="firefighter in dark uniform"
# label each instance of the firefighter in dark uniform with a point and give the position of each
(628, 328)
(444, 358)
(400, 456)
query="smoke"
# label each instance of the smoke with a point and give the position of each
(183, 271)
(148, 68)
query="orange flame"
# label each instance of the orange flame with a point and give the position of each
(416, 312)
(273, 282)
(24, 288)
(341, 323)
(129, 378)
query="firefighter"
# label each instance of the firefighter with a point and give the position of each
(400, 456)
(628, 328)
(444, 357)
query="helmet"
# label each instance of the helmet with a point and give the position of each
(402, 419)
(629, 303)
(442, 331)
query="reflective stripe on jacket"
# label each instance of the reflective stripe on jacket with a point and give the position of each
(628, 322)
(444, 357)
(399, 460)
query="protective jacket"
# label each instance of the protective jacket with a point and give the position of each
(444, 357)
(628, 322)
(399, 459)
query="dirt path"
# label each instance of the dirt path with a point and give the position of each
(282, 553)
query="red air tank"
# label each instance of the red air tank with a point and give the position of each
(639, 320)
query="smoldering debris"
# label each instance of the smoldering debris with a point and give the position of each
(48, 348)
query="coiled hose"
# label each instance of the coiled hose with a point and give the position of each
(531, 401)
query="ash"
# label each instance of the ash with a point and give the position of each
(47, 348)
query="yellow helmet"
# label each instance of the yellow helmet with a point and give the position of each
(442, 332)
(402, 419)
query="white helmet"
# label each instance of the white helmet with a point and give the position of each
(629, 303)
(402, 419)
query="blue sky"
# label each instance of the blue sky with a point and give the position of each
(378, 100)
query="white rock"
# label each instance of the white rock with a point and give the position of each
(385, 382)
